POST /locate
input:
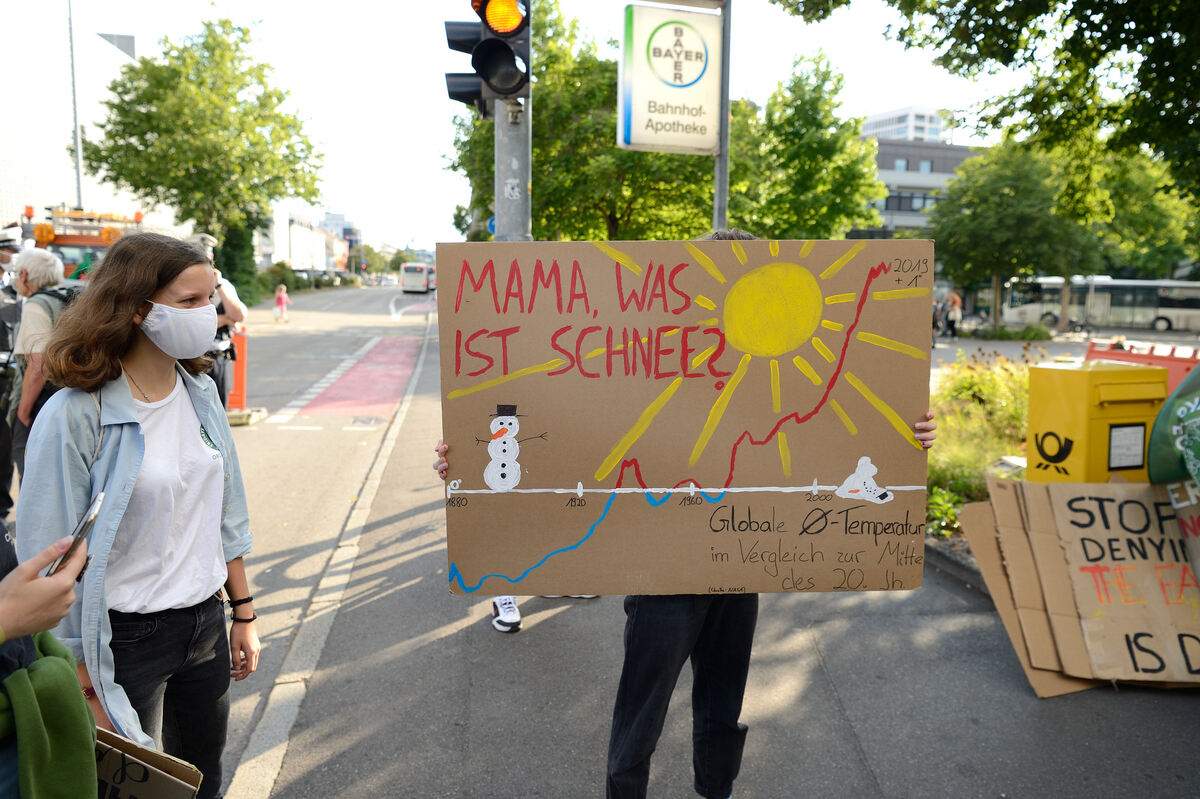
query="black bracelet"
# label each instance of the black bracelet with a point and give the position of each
(233, 603)
(243, 621)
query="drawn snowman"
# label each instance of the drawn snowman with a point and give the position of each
(503, 472)
(861, 484)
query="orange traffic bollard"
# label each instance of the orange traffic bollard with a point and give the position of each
(237, 393)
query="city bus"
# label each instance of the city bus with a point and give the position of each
(415, 277)
(1103, 301)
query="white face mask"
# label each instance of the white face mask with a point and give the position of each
(181, 332)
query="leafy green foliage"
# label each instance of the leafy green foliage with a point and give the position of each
(375, 261)
(815, 175)
(235, 259)
(981, 404)
(941, 511)
(1027, 333)
(999, 218)
(200, 130)
(1125, 67)
(1153, 227)
(398, 260)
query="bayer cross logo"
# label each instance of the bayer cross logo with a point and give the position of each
(677, 54)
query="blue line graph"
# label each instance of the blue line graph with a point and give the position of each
(456, 575)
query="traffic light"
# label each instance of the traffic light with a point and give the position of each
(499, 48)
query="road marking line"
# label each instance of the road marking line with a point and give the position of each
(289, 411)
(300, 427)
(267, 746)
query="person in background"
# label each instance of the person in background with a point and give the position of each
(231, 311)
(282, 301)
(953, 314)
(37, 272)
(10, 317)
(141, 421)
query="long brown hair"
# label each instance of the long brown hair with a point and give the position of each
(96, 330)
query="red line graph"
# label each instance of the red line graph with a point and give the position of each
(795, 416)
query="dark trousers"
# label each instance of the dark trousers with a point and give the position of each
(661, 634)
(6, 465)
(174, 667)
(222, 374)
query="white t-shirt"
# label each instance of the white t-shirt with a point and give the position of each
(34, 331)
(167, 551)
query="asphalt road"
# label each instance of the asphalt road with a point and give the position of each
(305, 465)
(393, 688)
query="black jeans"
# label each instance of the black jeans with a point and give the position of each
(174, 667)
(222, 374)
(661, 633)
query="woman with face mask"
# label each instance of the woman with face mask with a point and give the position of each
(141, 422)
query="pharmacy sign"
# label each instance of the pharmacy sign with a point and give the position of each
(669, 85)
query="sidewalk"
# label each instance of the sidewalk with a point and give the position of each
(905, 694)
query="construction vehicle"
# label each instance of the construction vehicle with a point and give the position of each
(79, 238)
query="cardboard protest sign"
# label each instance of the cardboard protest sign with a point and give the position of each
(979, 526)
(1022, 575)
(126, 770)
(684, 417)
(1136, 592)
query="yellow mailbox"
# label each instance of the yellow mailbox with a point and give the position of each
(1089, 420)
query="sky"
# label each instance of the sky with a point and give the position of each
(367, 80)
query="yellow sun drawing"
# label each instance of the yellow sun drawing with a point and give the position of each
(772, 311)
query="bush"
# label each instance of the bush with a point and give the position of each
(942, 506)
(270, 278)
(1027, 333)
(981, 405)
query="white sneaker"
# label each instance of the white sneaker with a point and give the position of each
(505, 616)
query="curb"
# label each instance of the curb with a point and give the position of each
(958, 563)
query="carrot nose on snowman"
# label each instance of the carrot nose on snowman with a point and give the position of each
(500, 433)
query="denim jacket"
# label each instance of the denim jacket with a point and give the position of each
(60, 482)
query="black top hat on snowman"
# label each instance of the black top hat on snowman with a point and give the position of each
(507, 410)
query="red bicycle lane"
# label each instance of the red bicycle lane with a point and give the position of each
(373, 385)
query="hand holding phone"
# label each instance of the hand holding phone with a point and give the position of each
(29, 602)
(79, 535)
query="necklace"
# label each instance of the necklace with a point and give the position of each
(135, 383)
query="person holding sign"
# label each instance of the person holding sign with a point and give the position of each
(140, 421)
(714, 632)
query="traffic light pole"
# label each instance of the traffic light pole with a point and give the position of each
(514, 145)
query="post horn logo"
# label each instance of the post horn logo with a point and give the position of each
(1062, 451)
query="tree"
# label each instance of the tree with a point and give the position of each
(1148, 235)
(819, 174)
(365, 253)
(200, 130)
(398, 260)
(997, 219)
(1124, 67)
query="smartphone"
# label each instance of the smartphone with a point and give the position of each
(81, 532)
